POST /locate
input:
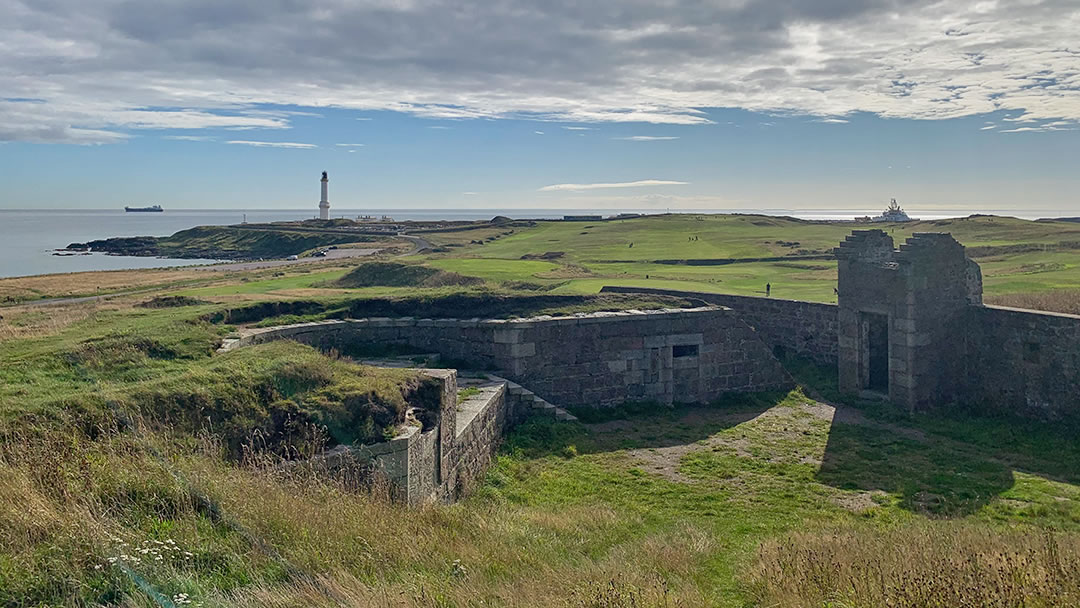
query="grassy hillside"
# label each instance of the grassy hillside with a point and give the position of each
(226, 243)
(139, 468)
(733, 504)
(1026, 264)
(737, 254)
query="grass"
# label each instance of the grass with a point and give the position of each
(123, 432)
(1058, 300)
(21, 289)
(932, 565)
(391, 274)
(668, 506)
(1017, 256)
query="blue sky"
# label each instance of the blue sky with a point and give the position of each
(424, 104)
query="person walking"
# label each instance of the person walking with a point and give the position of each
(768, 289)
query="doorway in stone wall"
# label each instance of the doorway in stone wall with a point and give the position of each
(876, 354)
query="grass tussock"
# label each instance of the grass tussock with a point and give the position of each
(931, 565)
(392, 274)
(1058, 300)
(36, 322)
(444, 305)
(171, 302)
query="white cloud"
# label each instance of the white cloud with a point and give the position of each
(647, 138)
(538, 132)
(468, 193)
(188, 137)
(94, 70)
(272, 144)
(578, 128)
(601, 186)
(350, 145)
(837, 121)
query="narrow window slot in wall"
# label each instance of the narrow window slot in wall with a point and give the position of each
(684, 350)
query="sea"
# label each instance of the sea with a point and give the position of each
(29, 238)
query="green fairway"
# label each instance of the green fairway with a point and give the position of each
(581, 257)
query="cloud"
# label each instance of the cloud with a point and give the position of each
(838, 121)
(647, 138)
(188, 137)
(578, 128)
(469, 193)
(600, 186)
(92, 71)
(272, 144)
(350, 145)
(538, 132)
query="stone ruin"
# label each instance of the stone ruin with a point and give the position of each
(910, 327)
(902, 316)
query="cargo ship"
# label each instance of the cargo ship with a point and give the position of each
(150, 209)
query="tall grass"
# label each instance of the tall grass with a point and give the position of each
(136, 513)
(1057, 300)
(929, 565)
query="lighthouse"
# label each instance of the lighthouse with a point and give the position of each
(324, 204)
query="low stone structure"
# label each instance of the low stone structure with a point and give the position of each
(903, 315)
(911, 327)
(787, 326)
(599, 359)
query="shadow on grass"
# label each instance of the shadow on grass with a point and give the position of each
(942, 464)
(948, 463)
(637, 425)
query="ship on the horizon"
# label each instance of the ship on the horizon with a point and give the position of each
(150, 209)
(892, 214)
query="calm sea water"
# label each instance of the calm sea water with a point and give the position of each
(28, 238)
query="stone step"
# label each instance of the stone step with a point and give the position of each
(533, 401)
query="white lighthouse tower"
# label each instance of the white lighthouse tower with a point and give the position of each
(324, 204)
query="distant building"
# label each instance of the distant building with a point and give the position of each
(582, 218)
(324, 203)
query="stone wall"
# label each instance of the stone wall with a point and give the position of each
(788, 326)
(599, 359)
(1024, 362)
(903, 315)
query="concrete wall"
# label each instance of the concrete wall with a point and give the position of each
(804, 328)
(599, 359)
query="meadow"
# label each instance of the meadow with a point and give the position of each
(139, 468)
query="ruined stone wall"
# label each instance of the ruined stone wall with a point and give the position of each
(600, 359)
(924, 292)
(605, 359)
(808, 329)
(1023, 362)
(479, 432)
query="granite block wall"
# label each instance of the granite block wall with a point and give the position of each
(599, 359)
(1024, 362)
(808, 329)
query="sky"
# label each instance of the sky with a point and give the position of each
(614, 104)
